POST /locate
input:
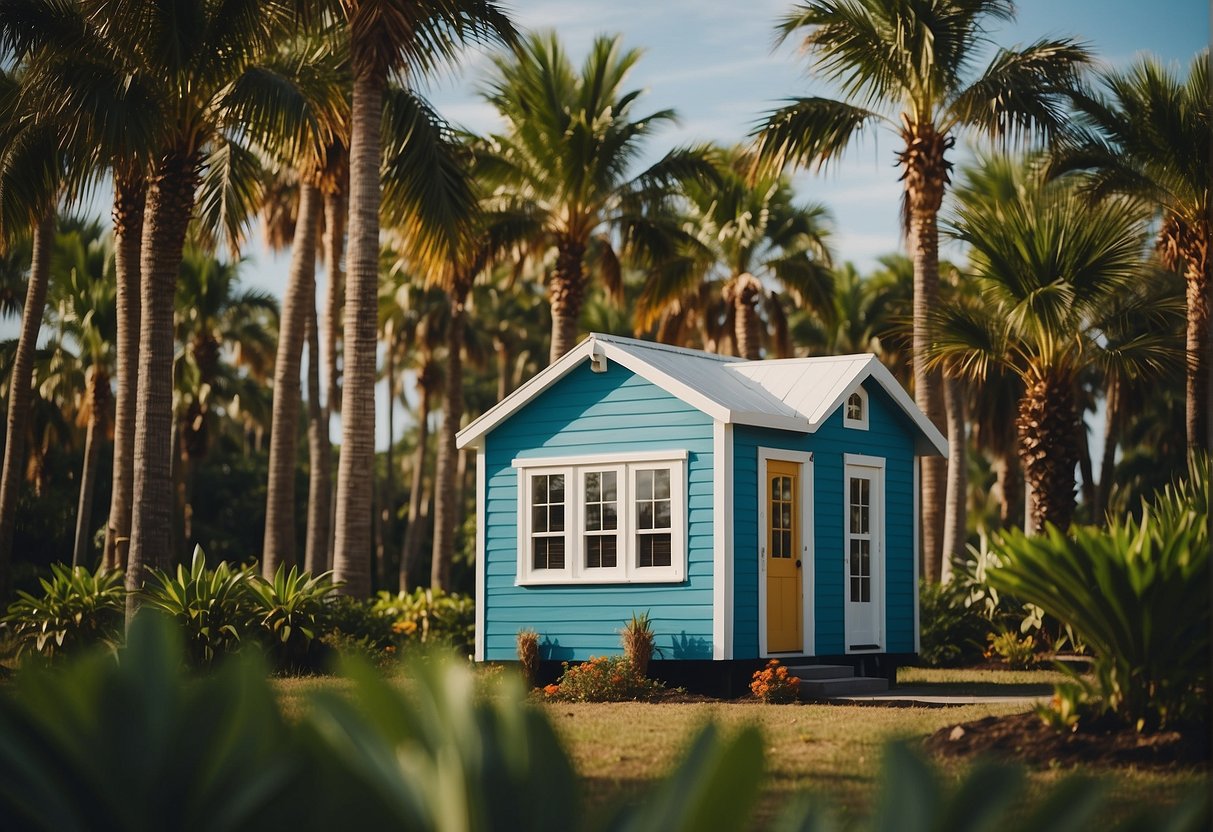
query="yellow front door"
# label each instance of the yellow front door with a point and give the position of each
(783, 557)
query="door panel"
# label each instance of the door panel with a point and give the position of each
(782, 555)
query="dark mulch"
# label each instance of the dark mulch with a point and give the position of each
(1026, 738)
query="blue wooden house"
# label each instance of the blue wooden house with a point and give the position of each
(753, 508)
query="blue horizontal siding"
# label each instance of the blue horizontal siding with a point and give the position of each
(890, 435)
(588, 413)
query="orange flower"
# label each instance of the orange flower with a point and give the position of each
(551, 690)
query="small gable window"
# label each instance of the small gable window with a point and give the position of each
(602, 520)
(856, 413)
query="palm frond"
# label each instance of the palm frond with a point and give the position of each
(230, 193)
(808, 132)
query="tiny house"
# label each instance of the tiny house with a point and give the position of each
(754, 509)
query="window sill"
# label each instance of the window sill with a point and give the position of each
(564, 580)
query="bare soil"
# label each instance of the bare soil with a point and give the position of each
(1102, 743)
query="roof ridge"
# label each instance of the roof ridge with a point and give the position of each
(624, 341)
(804, 359)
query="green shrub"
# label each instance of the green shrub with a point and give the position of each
(1137, 594)
(288, 615)
(952, 632)
(209, 604)
(431, 617)
(1018, 653)
(353, 627)
(603, 679)
(77, 608)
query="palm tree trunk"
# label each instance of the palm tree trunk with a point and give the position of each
(412, 534)
(1010, 500)
(320, 457)
(956, 521)
(566, 294)
(745, 318)
(387, 496)
(1048, 447)
(502, 352)
(170, 201)
(98, 397)
(452, 414)
(19, 391)
(926, 178)
(352, 555)
(335, 219)
(1083, 438)
(279, 548)
(1107, 465)
(1199, 366)
(130, 194)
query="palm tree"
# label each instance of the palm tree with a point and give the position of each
(748, 234)
(906, 65)
(387, 37)
(1059, 282)
(83, 308)
(30, 175)
(1148, 136)
(561, 167)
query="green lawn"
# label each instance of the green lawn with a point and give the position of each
(832, 751)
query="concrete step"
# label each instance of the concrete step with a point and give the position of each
(807, 672)
(843, 686)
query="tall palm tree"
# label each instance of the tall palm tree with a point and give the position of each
(31, 168)
(83, 309)
(906, 65)
(749, 233)
(1147, 134)
(1059, 283)
(562, 167)
(387, 37)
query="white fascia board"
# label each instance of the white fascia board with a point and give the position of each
(498, 413)
(675, 387)
(772, 420)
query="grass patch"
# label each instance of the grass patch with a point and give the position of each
(971, 682)
(620, 750)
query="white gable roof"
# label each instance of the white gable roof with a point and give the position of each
(796, 394)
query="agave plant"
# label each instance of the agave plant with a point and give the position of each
(209, 604)
(77, 608)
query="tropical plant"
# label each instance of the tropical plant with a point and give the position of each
(387, 38)
(1049, 310)
(561, 169)
(209, 605)
(748, 235)
(528, 656)
(432, 617)
(77, 609)
(638, 641)
(907, 66)
(1137, 594)
(1145, 134)
(953, 629)
(289, 613)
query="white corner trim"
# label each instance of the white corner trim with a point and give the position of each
(807, 544)
(915, 582)
(481, 554)
(722, 541)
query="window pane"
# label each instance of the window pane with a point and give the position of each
(556, 518)
(593, 552)
(662, 484)
(555, 553)
(854, 560)
(539, 489)
(866, 586)
(609, 556)
(661, 550)
(608, 486)
(854, 519)
(645, 516)
(609, 520)
(787, 543)
(593, 518)
(556, 488)
(539, 518)
(539, 546)
(644, 485)
(644, 550)
(593, 488)
(855, 593)
(663, 514)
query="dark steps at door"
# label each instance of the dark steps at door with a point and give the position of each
(823, 681)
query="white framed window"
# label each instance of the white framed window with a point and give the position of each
(855, 411)
(602, 519)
